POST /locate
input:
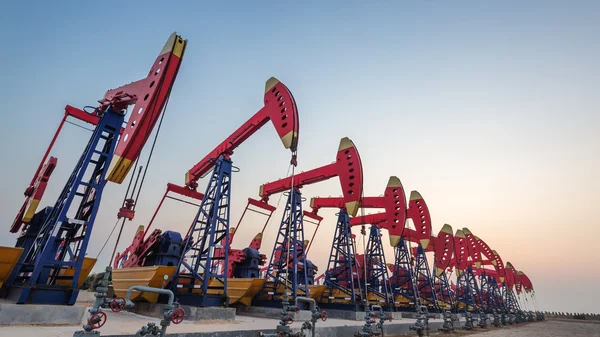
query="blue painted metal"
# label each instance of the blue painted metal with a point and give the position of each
(496, 293)
(167, 252)
(62, 239)
(443, 292)
(291, 233)
(467, 290)
(209, 229)
(311, 270)
(486, 298)
(402, 277)
(423, 279)
(377, 280)
(342, 276)
(249, 268)
(30, 233)
(510, 300)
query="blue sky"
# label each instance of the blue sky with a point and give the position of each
(489, 109)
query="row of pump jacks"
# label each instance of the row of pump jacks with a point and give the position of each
(50, 254)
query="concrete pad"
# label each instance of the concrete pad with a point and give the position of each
(304, 315)
(191, 313)
(20, 314)
(271, 313)
(124, 324)
(357, 315)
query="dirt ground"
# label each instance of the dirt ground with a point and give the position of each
(551, 328)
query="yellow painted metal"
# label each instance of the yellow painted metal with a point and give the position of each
(376, 299)
(402, 301)
(280, 289)
(340, 297)
(8, 259)
(240, 290)
(152, 276)
(86, 268)
(315, 291)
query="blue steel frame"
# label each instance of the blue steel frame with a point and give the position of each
(377, 280)
(423, 278)
(291, 229)
(209, 229)
(486, 298)
(63, 238)
(467, 286)
(402, 277)
(510, 301)
(496, 293)
(342, 272)
(443, 291)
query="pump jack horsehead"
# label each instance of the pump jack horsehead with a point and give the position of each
(54, 241)
(202, 266)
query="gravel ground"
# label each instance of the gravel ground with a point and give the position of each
(552, 328)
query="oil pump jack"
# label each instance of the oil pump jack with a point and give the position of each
(510, 300)
(287, 271)
(529, 296)
(55, 240)
(443, 247)
(474, 262)
(54, 244)
(346, 268)
(344, 273)
(201, 261)
(412, 286)
(489, 279)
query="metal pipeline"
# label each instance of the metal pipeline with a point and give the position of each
(151, 290)
(151, 328)
(311, 301)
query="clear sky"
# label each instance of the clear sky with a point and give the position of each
(488, 108)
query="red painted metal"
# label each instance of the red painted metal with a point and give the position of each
(511, 276)
(460, 251)
(149, 97)
(34, 194)
(418, 212)
(394, 217)
(257, 240)
(490, 259)
(318, 220)
(279, 107)
(524, 279)
(142, 242)
(473, 248)
(45, 166)
(443, 246)
(500, 266)
(152, 92)
(347, 167)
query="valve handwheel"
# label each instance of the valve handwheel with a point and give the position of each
(117, 304)
(324, 315)
(178, 315)
(97, 320)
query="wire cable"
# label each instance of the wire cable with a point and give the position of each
(79, 126)
(107, 239)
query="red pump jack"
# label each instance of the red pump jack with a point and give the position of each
(56, 244)
(344, 261)
(210, 228)
(287, 269)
